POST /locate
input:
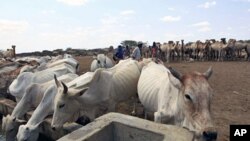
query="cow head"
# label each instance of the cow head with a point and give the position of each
(10, 126)
(101, 60)
(66, 104)
(194, 101)
(28, 132)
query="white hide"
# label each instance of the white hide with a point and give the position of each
(103, 92)
(9, 67)
(30, 131)
(19, 85)
(70, 61)
(153, 82)
(31, 98)
(185, 103)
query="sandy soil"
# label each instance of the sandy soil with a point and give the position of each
(231, 83)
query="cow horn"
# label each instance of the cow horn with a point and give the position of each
(175, 73)
(57, 82)
(65, 88)
(77, 66)
(208, 73)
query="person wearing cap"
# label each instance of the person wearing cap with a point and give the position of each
(136, 55)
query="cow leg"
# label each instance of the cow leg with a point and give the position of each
(135, 100)
(145, 114)
(112, 106)
(163, 117)
(133, 113)
(158, 117)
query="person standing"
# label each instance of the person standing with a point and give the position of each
(154, 50)
(136, 55)
(119, 54)
(127, 51)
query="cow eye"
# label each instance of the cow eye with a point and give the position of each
(61, 106)
(188, 97)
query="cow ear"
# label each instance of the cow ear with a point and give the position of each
(95, 56)
(21, 121)
(208, 73)
(35, 126)
(176, 82)
(78, 93)
(82, 91)
(97, 74)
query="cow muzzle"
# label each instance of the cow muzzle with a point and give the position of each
(209, 134)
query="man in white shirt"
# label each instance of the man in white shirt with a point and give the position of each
(137, 52)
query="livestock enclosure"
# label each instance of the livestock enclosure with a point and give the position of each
(230, 81)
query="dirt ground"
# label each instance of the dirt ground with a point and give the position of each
(231, 83)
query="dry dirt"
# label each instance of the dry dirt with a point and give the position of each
(231, 83)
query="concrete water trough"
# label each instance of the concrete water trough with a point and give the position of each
(119, 127)
(7, 106)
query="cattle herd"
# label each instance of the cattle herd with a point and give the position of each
(52, 86)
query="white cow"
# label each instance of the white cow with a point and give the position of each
(27, 59)
(101, 61)
(98, 95)
(67, 55)
(44, 59)
(28, 68)
(30, 99)
(30, 131)
(45, 62)
(19, 85)
(184, 101)
(9, 67)
(71, 61)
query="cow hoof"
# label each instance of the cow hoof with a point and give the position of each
(133, 113)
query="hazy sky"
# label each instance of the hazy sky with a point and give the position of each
(36, 25)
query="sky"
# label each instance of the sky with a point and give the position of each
(36, 25)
